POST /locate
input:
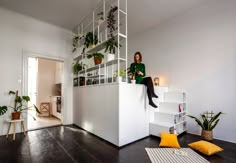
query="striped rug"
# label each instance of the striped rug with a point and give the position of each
(167, 155)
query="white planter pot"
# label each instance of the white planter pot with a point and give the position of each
(110, 57)
(119, 79)
(133, 81)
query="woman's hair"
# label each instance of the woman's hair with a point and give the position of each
(140, 57)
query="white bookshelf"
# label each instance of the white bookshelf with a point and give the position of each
(171, 115)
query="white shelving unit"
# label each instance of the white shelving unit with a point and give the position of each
(171, 116)
(105, 72)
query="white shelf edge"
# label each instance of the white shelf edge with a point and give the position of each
(173, 113)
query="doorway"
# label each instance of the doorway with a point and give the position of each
(44, 83)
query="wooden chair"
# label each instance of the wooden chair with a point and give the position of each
(45, 109)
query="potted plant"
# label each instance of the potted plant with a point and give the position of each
(20, 105)
(120, 75)
(76, 67)
(90, 40)
(97, 57)
(207, 124)
(112, 43)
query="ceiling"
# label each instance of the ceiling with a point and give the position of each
(142, 14)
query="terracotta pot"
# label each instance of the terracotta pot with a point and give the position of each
(97, 61)
(207, 135)
(15, 115)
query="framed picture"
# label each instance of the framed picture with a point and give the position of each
(76, 82)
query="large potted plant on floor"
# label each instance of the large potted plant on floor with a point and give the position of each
(207, 124)
(112, 43)
(97, 57)
(20, 105)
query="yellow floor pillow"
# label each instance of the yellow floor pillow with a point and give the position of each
(205, 147)
(169, 140)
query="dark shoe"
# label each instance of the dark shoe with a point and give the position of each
(154, 95)
(152, 104)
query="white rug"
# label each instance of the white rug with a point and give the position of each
(167, 155)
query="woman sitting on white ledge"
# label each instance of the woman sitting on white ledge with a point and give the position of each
(137, 69)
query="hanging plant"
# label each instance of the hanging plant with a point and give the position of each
(75, 43)
(112, 43)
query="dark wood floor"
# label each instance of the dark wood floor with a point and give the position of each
(71, 144)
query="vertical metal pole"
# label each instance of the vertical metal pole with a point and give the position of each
(82, 29)
(99, 74)
(118, 39)
(126, 30)
(93, 26)
(112, 74)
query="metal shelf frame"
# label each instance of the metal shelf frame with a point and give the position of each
(92, 24)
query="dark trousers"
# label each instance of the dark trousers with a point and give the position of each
(149, 84)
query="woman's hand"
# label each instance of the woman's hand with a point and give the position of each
(140, 73)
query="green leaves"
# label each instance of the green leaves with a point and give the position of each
(100, 56)
(90, 39)
(36, 109)
(26, 98)
(12, 93)
(3, 110)
(206, 123)
(77, 67)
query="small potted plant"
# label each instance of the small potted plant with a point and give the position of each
(90, 41)
(97, 57)
(120, 76)
(100, 17)
(207, 124)
(112, 43)
(20, 105)
(76, 67)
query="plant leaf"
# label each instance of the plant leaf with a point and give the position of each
(214, 125)
(26, 98)
(205, 122)
(3, 110)
(198, 121)
(215, 117)
(12, 93)
(37, 110)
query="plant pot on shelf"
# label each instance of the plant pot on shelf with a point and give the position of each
(110, 57)
(207, 135)
(119, 79)
(100, 21)
(15, 115)
(91, 46)
(97, 61)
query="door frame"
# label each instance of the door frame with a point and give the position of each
(24, 86)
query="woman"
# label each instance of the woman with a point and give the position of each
(138, 71)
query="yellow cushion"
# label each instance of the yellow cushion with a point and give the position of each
(169, 140)
(205, 147)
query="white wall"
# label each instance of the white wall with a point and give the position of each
(20, 33)
(46, 80)
(196, 52)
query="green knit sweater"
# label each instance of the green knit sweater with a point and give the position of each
(134, 68)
